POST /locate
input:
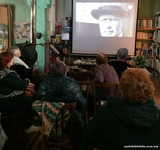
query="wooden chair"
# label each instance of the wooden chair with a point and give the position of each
(59, 140)
(101, 91)
(81, 76)
(84, 80)
(85, 86)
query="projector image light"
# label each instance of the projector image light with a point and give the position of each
(65, 36)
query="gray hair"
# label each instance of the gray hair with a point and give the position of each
(58, 68)
(14, 50)
(122, 53)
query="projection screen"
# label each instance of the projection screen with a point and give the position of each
(104, 26)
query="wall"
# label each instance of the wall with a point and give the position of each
(21, 13)
(148, 8)
(64, 9)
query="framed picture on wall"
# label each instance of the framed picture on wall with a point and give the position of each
(5, 26)
(21, 30)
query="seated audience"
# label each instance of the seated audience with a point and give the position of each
(12, 95)
(22, 69)
(120, 64)
(19, 65)
(133, 120)
(57, 87)
(105, 73)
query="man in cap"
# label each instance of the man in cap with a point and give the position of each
(111, 20)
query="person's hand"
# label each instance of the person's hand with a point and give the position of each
(27, 79)
(31, 85)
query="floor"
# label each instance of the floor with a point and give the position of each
(18, 140)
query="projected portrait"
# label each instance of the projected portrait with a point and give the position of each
(98, 25)
(111, 20)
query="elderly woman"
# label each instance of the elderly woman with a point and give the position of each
(17, 54)
(12, 88)
(22, 69)
(131, 120)
(19, 65)
(103, 71)
(120, 64)
(57, 87)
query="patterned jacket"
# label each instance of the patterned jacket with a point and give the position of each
(61, 89)
(11, 84)
(106, 73)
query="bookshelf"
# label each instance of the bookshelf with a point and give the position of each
(145, 32)
(157, 26)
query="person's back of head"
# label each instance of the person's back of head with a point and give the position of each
(122, 53)
(5, 59)
(136, 85)
(101, 59)
(58, 68)
(15, 51)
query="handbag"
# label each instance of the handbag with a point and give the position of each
(30, 91)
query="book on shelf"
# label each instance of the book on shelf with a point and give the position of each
(139, 35)
(150, 23)
(145, 46)
(155, 49)
(145, 52)
(146, 23)
(157, 21)
(138, 45)
(142, 35)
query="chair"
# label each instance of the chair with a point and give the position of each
(101, 90)
(84, 80)
(81, 76)
(63, 139)
(85, 86)
(63, 132)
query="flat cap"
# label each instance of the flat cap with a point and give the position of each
(109, 10)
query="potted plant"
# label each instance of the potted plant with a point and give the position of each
(139, 61)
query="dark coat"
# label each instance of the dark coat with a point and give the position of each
(12, 91)
(61, 89)
(119, 66)
(123, 124)
(64, 89)
(22, 71)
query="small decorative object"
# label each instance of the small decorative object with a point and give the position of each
(139, 61)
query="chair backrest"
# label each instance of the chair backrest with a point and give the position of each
(85, 87)
(81, 76)
(63, 133)
(101, 91)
